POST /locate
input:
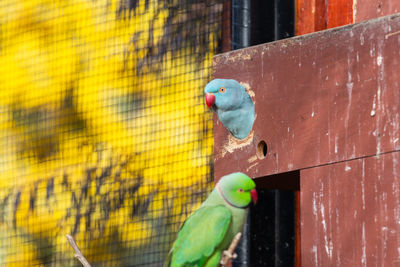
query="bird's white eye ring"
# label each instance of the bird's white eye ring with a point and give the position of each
(240, 190)
(222, 90)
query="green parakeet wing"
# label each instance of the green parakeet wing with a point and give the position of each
(201, 233)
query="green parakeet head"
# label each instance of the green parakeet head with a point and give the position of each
(237, 189)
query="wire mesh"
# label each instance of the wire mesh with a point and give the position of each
(103, 129)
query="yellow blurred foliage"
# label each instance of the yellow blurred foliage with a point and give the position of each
(103, 130)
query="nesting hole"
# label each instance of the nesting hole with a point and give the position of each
(262, 149)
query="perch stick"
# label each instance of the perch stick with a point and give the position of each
(229, 254)
(78, 253)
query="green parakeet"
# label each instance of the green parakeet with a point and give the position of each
(210, 229)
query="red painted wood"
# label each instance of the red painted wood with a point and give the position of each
(320, 15)
(340, 12)
(326, 99)
(316, 15)
(350, 213)
(321, 98)
(369, 9)
(226, 26)
(305, 17)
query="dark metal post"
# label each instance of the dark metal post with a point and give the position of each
(241, 34)
(241, 23)
(243, 249)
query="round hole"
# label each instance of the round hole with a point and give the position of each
(262, 149)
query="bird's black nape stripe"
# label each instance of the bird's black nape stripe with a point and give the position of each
(227, 201)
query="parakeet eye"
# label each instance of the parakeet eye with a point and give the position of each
(240, 190)
(222, 90)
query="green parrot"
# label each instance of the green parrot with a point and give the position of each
(209, 230)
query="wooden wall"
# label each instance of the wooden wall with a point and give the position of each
(328, 105)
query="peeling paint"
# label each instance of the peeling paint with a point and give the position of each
(328, 244)
(262, 64)
(239, 56)
(372, 51)
(355, 8)
(373, 111)
(315, 253)
(379, 60)
(364, 246)
(349, 86)
(252, 166)
(248, 90)
(234, 143)
(381, 86)
(252, 159)
(315, 211)
(363, 184)
(336, 144)
(391, 34)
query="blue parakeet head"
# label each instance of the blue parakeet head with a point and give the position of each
(224, 94)
(233, 105)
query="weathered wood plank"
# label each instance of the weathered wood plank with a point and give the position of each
(317, 15)
(369, 9)
(339, 12)
(350, 213)
(319, 98)
(310, 16)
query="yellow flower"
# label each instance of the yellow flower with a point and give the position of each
(101, 136)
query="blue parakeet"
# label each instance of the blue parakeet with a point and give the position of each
(233, 105)
(210, 229)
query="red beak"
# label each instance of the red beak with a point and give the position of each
(254, 196)
(210, 99)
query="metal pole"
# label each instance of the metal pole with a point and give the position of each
(241, 23)
(241, 33)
